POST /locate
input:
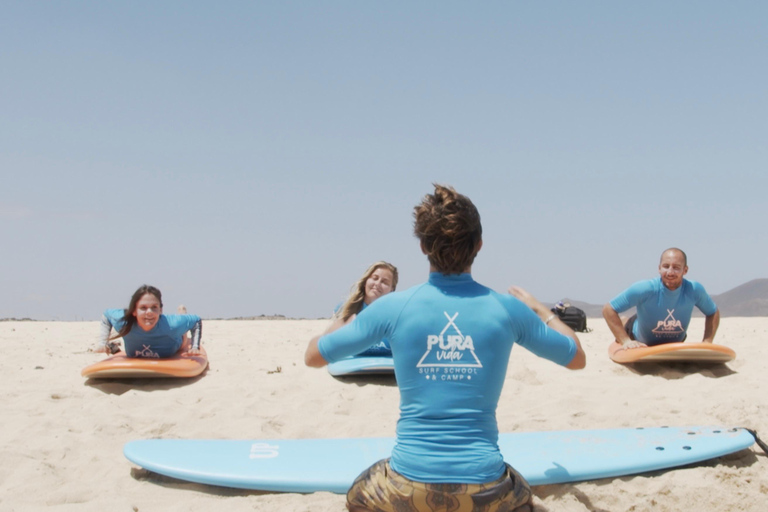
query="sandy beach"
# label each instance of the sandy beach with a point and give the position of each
(62, 436)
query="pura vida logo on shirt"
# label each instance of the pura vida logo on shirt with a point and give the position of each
(450, 348)
(669, 326)
(147, 352)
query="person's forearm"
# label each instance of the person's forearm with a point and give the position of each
(615, 324)
(336, 324)
(197, 333)
(711, 323)
(104, 331)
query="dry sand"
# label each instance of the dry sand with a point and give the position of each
(62, 436)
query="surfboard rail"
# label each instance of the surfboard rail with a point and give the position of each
(120, 366)
(680, 351)
(362, 365)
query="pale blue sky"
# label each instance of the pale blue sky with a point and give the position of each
(253, 158)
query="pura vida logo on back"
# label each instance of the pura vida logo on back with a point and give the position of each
(450, 354)
(670, 326)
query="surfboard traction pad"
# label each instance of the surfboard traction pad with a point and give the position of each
(673, 352)
(331, 465)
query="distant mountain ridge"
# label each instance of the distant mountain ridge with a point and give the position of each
(748, 299)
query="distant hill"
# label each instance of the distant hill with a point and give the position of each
(748, 299)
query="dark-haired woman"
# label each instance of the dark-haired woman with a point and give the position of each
(451, 340)
(146, 331)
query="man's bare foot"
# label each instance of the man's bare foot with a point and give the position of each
(182, 309)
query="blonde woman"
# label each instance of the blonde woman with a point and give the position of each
(378, 280)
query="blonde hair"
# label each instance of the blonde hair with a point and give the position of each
(354, 303)
(448, 226)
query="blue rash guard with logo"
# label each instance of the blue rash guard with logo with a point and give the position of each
(451, 339)
(663, 315)
(163, 340)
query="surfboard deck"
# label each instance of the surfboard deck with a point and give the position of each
(119, 366)
(312, 465)
(362, 365)
(682, 352)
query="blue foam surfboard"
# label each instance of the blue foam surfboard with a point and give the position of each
(362, 365)
(311, 465)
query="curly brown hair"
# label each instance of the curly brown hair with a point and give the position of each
(448, 226)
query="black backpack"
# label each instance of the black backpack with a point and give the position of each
(571, 316)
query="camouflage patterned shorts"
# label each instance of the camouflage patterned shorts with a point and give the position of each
(380, 489)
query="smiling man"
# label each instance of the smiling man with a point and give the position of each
(664, 306)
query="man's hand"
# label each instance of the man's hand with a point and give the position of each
(633, 344)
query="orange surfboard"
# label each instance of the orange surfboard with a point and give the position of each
(682, 352)
(119, 366)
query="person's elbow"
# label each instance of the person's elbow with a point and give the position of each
(312, 357)
(579, 361)
(314, 360)
(608, 311)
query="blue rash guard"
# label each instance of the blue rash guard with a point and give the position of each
(380, 349)
(451, 339)
(663, 315)
(163, 340)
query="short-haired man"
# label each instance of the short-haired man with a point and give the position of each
(664, 306)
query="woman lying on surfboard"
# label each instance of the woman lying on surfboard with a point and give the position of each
(451, 340)
(146, 331)
(378, 280)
